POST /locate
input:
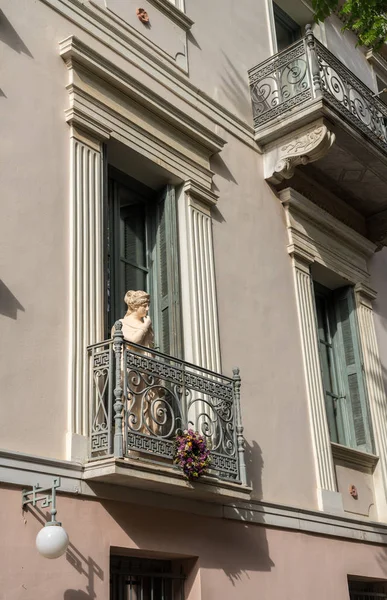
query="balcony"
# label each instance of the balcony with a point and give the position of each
(140, 399)
(309, 108)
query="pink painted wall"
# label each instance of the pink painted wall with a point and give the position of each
(235, 560)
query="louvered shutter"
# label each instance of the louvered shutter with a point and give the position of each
(347, 344)
(168, 288)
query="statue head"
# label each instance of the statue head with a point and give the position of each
(134, 299)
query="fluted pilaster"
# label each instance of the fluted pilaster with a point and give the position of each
(86, 271)
(199, 290)
(314, 385)
(373, 374)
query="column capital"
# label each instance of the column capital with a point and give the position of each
(302, 259)
(365, 294)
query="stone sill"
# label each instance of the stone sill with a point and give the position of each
(164, 479)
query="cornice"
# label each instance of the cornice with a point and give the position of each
(174, 13)
(297, 203)
(76, 53)
(20, 470)
(138, 52)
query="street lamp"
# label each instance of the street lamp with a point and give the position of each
(52, 540)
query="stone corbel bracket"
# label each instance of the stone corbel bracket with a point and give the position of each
(306, 146)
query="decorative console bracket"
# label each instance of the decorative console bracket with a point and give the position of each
(306, 145)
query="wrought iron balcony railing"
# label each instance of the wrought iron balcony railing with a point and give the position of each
(306, 72)
(140, 399)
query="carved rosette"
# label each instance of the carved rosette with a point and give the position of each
(310, 145)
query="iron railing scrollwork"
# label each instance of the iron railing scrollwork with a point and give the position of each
(140, 399)
(306, 71)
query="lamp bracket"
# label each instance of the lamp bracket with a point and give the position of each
(35, 495)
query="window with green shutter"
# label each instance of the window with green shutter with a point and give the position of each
(341, 368)
(142, 254)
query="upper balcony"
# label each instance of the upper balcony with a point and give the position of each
(309, 108)
(140, 399)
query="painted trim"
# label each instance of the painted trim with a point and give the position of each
(354, 457)
(75, 53)
(23, 470)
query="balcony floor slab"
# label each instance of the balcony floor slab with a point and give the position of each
(140, 474)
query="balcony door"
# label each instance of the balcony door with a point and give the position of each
(142, 255)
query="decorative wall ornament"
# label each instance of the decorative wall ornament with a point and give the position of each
(307, 146)
(142, 15)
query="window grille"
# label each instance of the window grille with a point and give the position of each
(145, 579)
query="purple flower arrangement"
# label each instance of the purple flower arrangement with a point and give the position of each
(192, 454)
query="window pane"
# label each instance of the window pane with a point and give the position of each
(287, 31)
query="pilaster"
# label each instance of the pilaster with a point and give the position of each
(327, 495)
(86, 295)
(373, 376)
(201, 335)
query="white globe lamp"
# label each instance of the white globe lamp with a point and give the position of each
(52, 540)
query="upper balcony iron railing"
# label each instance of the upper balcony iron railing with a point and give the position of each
(140, 399)
(306, 72)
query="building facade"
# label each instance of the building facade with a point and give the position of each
(230, 160)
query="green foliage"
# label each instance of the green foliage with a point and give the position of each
(367, 18)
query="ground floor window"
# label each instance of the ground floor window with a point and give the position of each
(367, 589)
(134, 578)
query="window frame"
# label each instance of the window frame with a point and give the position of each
(156, 203)
(319, 242)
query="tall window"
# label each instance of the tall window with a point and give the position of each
(142, 255)
(287, 31)
(145, 579)
(341, 366)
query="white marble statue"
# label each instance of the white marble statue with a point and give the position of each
(136, 324)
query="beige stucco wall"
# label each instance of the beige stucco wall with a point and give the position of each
(257, 312)
(258, 327)
(234, 559)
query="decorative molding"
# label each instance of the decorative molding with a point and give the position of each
(333, 244)
(145, 59)
(76, 118)
(314, 388)
(18, 469)
(373, 374)
(86, 292)
(354, 458)
(199, 300)
(200, 193)
(345, 252)
(76, 53)
(93, 113)
(174, 13)
(306, 146)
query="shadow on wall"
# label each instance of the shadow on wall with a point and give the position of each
(254, 466)
(10, 37)
(9, 304)
(227, 545)
(236, 89)
(84, 565)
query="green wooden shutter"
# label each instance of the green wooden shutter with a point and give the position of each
(168, 287)
(347, 341)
